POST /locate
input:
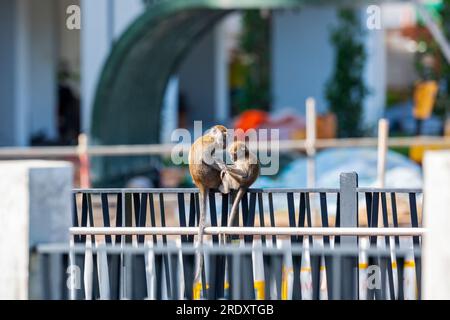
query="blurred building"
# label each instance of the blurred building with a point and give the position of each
(40, 54)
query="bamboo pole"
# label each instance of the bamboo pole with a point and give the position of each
(311, 141)
(383, 136)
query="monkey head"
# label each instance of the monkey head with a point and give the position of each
(238, 150)
(219, 134)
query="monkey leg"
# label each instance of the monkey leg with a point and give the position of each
(201, 230)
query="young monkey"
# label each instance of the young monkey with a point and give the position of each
(239, 175)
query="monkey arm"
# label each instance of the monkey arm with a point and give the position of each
(240, 175)
(213, 161)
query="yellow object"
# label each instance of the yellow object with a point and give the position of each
(409, 264)
(259, 288)
(424, 98)
(416, 153)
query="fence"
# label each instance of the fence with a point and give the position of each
(296, 244)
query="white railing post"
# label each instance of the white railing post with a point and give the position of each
(436, 249)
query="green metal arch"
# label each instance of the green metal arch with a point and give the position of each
(130, 91)
(133, 81)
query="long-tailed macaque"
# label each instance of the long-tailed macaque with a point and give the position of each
(205, 168)
(239, 175)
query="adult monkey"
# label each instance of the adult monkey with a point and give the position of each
(205, 168)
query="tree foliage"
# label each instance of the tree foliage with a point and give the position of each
(346, 90)
(255, 46)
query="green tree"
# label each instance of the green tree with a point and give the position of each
(345, 90)
(255, 47)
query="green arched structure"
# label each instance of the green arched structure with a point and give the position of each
(130, 91)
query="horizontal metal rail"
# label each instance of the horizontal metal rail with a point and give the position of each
(195, 190)
(252, 190)
(166, 149)
(55, 248)
(280, 231)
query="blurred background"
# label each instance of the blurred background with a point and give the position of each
(136, 70)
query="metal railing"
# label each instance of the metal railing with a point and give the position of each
(165, 272)
(159, 225)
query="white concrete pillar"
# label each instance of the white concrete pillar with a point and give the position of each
(35, 208)
(436, 249)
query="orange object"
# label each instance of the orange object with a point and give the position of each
(85, 181)
(251, 119)
(424, 98)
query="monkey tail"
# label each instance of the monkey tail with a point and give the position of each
(201, 229)
(235, 207)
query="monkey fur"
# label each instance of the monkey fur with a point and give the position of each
(206, 176)
(239, 176)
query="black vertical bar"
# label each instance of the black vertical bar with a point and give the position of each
(261, 215)
(105, 212)
(337, 239)
(187, 267)
(128, 215)
(248, 291)
(374, 261)
(84, 210)
(197, 207)
(142, 215)
(182, 214)
(224, 210)
(395, 217)
(324, 214)
(416, 241)
(220, 287)
(400, 272)
(250, 221)
(189, 260)
(119, 216)
(165, 257)
(174, 276)
(75, 216)
(137, 207)
(139, 283)
(212, 275)
(272, 218)
(192, 214)
(158, 257)
(152, 216)
(213, 214)
(387, 242)
(315, 275)
(369, 207)
(296, 258)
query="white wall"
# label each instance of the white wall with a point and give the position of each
(43, 65)
(375, 77)
(203, 79)
(7, 61)
(28, 77)
(302, 57)
(68, 40)
(102, 22)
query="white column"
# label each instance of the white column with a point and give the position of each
(35, 208)
(436, 249)
(103, 21)
(95, 45)
(374, 75)
(222, 107)
(21, 72)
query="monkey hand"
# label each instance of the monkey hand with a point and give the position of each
(223, 173)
